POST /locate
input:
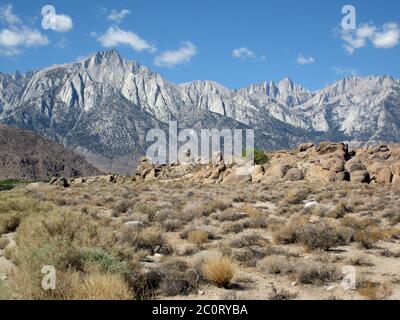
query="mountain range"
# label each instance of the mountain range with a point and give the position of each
(102, 107)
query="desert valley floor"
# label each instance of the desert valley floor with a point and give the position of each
(179, 234)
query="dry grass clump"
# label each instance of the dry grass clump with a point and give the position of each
(366, 231)
(15, 206)
(197, 237)
(218, 270)
(101, 287)
(287, 233)
(202, 207)
(252, 212)
(146, 239)
(340, 210)
(369, 237)
(120, 207)
(71, 242)
(146, 208)
(296, 196)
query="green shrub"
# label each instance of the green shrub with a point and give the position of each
(105, 261)
(260, 157)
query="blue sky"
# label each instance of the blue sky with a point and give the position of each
(232, 42)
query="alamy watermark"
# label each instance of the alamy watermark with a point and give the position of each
(49, 19)
(49, 281)
(202, 146)
(349, 21)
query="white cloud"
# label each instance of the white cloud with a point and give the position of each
(16, 36)
(170, 59)
(383, 38)
(115, 36)
(118, 16)
(243, 53)
(388, 38)
(301, 59)
(7, 15)
(63, 23)
(345, 72)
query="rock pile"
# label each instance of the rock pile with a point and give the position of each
(326, 162)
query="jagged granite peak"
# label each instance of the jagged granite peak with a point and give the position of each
(286, 91)
(103, 105)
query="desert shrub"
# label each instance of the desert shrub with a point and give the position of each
(287, 234)
(277, 265)
(218, 270)
(252, 212)
(260, 157)
(9, 222)
(359, 260)
(219, 204)
(281, 294)
(197, 236)
(248, 255)
(101, 287)
(235, 227)
(58, 238)
(229, 215)
(203, 207)
(177, 278)
(296, 196)
(373, 290)
(145, 283)
(320, 236)
(340, 210)
(247, 240)
(15, 206)
(369, 237)
(120, 206)
(7, 184)
(147, 208)
(163, 214)
(172, 224)
(149, 238)
(105, 261)
(316, 273)
(358, 224)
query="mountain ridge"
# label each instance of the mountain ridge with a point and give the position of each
(28, 156)
(103, 105)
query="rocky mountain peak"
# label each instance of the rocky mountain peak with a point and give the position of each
(104, 104)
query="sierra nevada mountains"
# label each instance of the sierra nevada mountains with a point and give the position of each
(103, 106)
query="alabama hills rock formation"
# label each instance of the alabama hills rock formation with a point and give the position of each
(326, 162)
(25, 155)
(103, 106)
